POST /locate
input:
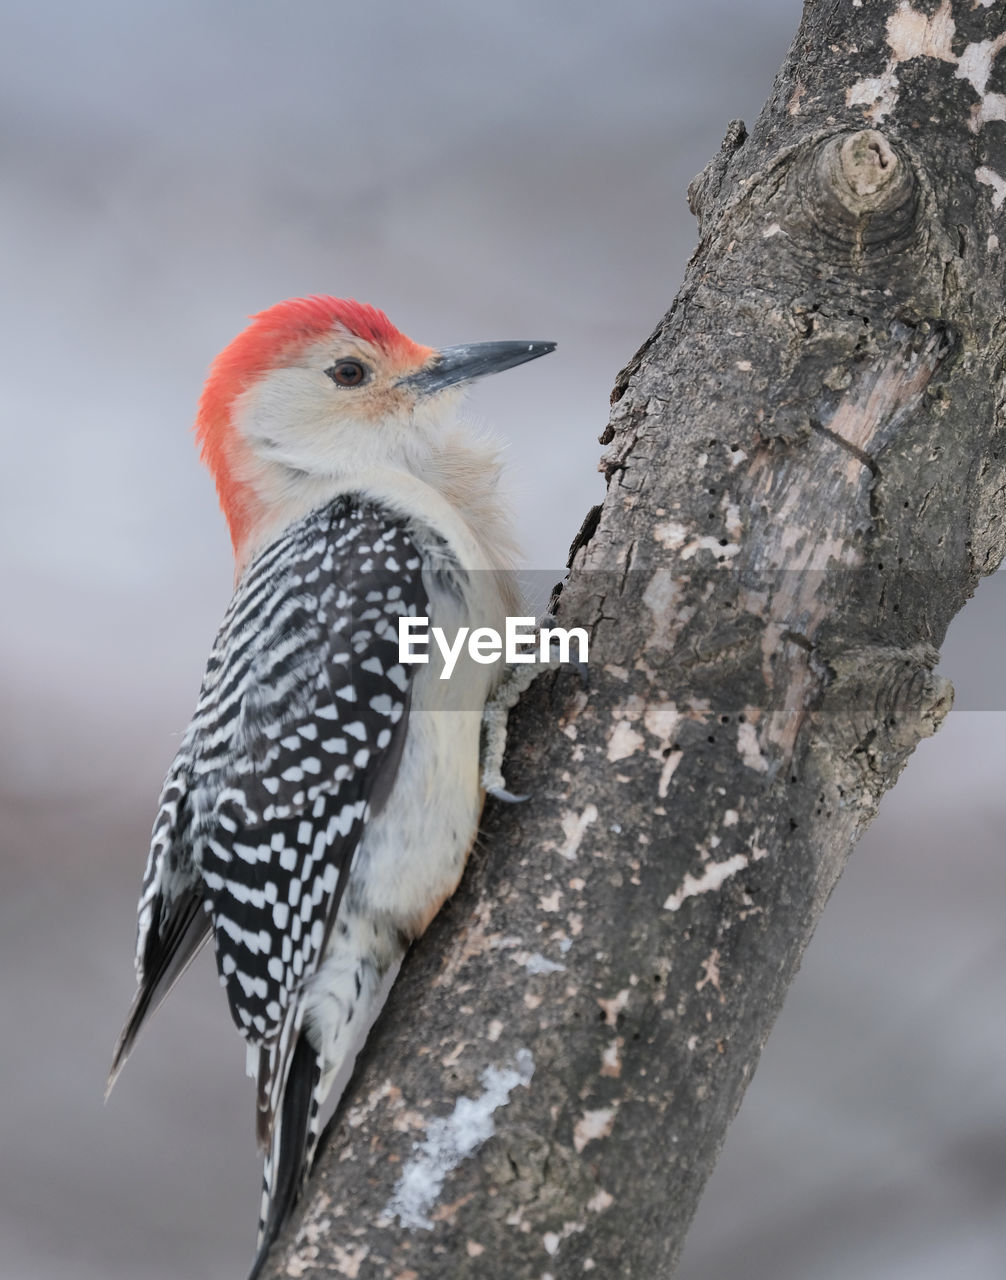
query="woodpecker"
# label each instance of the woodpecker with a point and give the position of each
(326, 795)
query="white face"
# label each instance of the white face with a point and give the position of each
(342, 401)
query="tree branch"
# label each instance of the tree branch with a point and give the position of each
(806, 468)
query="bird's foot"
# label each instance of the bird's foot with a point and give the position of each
(518, 678)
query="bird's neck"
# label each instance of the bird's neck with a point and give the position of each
(453, 484)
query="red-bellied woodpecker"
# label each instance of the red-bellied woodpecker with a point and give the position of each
(326, 795)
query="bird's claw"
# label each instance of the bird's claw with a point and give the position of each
(494, 717)
(507, 797)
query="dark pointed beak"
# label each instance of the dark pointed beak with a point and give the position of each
(451, 365)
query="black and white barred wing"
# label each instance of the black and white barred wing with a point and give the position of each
(296, 735)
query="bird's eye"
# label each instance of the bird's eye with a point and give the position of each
(348, 373)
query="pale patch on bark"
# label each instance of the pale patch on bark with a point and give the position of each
(623, 741)
(856, 420)
(573, 827)
(710, 971)
(670, 534)
(386, 1091)
(600, 1201)
(879, 94)
(798, 606)
(593, 1125)
(911, 34)
(797, 96)
(661, 719)
(451, 1139)
(671, 763)
(710, 544)
(454, 1054)
(553, 1239)
(975, 66)
(659, 596)
(348, 1259)
(631, 709)
(998, 185)
(749, 748)
(613, 1007)
(535, 963)
(711, 879)
(611, 1059)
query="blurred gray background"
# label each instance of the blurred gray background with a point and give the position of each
(480, 172)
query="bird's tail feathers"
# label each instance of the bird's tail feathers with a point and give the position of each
(170, 951)
(295, 1076)
(292, 1145)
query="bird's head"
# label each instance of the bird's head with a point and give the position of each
(315, 386)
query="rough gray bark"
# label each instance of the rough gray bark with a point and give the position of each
(806, 476)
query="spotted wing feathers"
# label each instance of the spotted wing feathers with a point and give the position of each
(299, 724)
(295, 726)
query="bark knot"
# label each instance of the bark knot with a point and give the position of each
(859, 193)
(867, 167)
